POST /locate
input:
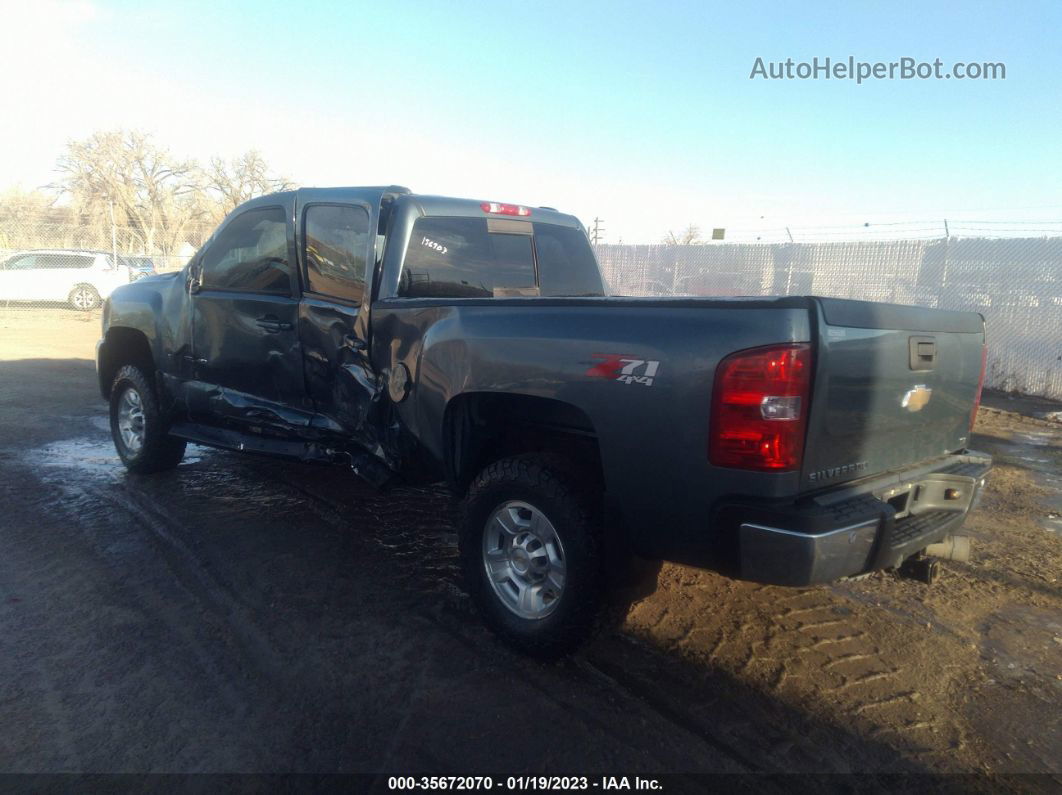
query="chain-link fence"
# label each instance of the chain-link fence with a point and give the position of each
(1016, 283)
(166, 250)
(44, 264)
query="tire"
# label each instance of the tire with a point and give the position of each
(84, 298)
(137, 426)
(556, 563)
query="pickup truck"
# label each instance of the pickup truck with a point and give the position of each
(419, 339)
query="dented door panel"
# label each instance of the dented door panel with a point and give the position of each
(248, 362)
(339, 377)
(333, 325)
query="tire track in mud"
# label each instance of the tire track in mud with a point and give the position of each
(846, 664)
(34, 674)
(817, 650)
(146, 537)
(91, 542)
(103, 532)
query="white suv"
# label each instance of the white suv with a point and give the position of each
(80, 278)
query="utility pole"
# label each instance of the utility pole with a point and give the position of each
(114, 235)
(598, 232)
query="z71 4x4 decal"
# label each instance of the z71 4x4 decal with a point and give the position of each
(624, 368)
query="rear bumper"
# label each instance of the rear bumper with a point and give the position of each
(856, 529)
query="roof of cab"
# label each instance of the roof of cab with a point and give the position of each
(426, 203)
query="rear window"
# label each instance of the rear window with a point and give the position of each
(566, 264)
(459, 258)
(477, 258)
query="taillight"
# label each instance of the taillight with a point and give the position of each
(980, 386)
(759, 408)
(504, 209)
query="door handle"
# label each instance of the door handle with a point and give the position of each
(352, 342)
(923, 353)
(272, 324)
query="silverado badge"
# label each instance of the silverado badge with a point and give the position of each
(916, 398)
(833, 472)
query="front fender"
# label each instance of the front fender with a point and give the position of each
(154, 309)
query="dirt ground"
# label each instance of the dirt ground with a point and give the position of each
(241, 614)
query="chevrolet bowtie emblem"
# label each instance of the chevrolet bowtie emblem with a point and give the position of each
(915, 399)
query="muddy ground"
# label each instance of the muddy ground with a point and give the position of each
(241, 614)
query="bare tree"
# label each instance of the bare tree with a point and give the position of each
(125, 175)
(26, 217)
(689, 236)
(30, 207)
(235, 181)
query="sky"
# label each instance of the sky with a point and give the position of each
(641, 114)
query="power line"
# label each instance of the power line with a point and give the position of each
(598, 231)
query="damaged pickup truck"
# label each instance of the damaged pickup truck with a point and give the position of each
(787, 440)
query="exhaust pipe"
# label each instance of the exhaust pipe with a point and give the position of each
(951, 548)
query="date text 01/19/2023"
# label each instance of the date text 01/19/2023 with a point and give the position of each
(523, 783)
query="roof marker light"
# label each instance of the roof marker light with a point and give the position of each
(505, 209)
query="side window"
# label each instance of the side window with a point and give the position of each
(459, 258)
(24, 263)
(64, 261)
(250, 254)
(336, 246)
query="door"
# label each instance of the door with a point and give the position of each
(58, 273)
(16, 278)
(337, 250)
(247, 361)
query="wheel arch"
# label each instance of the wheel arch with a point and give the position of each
(123, 345)
(482, 427)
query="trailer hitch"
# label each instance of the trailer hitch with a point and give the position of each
(921, 567)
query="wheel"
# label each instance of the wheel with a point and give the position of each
(138, 427)
(530, 554)
(84, 298)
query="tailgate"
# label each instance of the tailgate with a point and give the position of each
(894, 386)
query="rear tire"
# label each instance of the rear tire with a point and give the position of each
(138, 428)
(527, 522)
(84, 298)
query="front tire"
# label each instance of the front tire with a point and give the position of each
(530, 554)
(138, 427)
(84, 298)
